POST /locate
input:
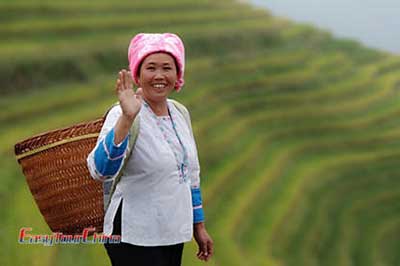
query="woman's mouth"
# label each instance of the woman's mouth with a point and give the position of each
(159, 86)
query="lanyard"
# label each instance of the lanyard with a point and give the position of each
(182, 166)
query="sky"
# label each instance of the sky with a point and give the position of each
(375, 23)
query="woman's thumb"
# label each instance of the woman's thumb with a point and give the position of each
(139, 93)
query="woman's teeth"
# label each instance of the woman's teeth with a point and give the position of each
(159, 86)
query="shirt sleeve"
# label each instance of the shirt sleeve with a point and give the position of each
(105, 160)
(197, 202)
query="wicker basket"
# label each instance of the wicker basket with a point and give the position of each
(54, 164)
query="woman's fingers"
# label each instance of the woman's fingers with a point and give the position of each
(202, 254)
(122, 78)
(118, 86)
(125, 80)
(210, 249)
(205, 251)
(128, 79)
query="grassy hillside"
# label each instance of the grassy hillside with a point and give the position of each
(297, 131)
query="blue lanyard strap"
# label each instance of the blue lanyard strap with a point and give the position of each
(182, 166)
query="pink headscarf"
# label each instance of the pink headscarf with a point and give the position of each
(144, 44)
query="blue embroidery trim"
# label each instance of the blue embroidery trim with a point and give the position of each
(198, 212)
(108, 157)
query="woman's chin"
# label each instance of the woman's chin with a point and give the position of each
(160, 94)
(157, 97)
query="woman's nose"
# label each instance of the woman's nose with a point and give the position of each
(159, 75)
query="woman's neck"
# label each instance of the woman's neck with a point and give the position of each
(159, 108)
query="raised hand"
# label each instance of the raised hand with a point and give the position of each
(130, 101)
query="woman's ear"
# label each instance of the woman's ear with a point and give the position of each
(138, 77)
(138, 69)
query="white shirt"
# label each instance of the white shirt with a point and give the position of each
(157, 205)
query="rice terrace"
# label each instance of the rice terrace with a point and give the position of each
(297, 133)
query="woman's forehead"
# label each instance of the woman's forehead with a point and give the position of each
(159, 58)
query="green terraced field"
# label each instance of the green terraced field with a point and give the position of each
(297, 131)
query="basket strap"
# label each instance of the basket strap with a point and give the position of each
(109, 109)
(109, 189)
(183, 110)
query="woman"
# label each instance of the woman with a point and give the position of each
(156, 205)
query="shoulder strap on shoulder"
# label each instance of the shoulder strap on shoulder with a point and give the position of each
(109, 109)
(183, 110)
(109, 187)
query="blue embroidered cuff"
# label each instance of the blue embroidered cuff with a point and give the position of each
(196, 197)
(108, 157)
(198, 213)
(114, 151)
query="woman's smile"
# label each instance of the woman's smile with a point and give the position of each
(158, 75)
(159, 86)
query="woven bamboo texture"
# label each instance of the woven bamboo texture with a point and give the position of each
(54, 164)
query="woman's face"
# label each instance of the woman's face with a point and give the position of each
(157, 76)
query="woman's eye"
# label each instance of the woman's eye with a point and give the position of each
(151, 68)
(167, 68)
